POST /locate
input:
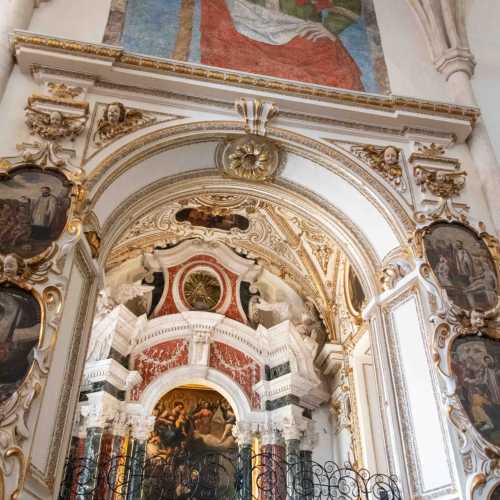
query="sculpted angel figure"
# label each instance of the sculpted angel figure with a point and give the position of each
(54, 125)
(311, 324)
(267, 313)
(117, 120)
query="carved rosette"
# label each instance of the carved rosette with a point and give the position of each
(466, 340)
(250, 157)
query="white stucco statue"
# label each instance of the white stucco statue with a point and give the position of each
(267, 314)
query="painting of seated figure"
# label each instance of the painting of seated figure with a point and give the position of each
(462, 265)
(327, 42)
(20, 320)
(193, 425)
(34, 208)
(475, 362)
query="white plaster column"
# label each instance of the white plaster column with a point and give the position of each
(14, 14)
(443, 23)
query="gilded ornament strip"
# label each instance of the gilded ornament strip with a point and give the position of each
(120, 56)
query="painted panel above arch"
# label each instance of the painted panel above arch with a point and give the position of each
(327, 42)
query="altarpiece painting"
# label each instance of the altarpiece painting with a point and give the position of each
(193, 427)
(463, 266)
(192, 421)
(475, 364)
(327, 42)
(20, 319)
(33, 210)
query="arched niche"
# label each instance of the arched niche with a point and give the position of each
(198, 375)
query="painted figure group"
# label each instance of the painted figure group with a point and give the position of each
(463, 267)
(29, 224)
(474, 361)
(181, 431)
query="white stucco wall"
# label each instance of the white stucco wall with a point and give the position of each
(482, 28)
(74, 19)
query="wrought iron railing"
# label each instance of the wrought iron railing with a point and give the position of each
(216, 476)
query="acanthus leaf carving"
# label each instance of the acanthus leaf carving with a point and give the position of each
(256, 114)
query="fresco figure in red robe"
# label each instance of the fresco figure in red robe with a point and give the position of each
(242, 35)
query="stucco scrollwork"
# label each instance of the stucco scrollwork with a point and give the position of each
(63, 90)
(54, 124)
(41, 213)
(440, 176)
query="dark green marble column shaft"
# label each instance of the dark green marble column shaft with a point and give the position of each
(293, 475)
(88, 480)
(245, 467)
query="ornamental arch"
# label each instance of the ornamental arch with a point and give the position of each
(131, 193)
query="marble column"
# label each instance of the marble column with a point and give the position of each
(271, 477)
(292, 435)
(242, 431)
(14, 14)
(141, 427)
(75, 456)
(119, 446)
(306, 448)
(89, 476)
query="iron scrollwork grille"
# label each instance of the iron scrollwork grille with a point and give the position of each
(217, 476)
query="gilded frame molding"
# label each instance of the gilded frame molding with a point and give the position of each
(481, 458)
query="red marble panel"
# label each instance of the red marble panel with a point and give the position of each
(158, 359)
(244, 370)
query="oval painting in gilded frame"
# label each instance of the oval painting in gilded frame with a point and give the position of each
(476, 366)
(462, 265)
(20, 331)
(34, 207)
(354, 293)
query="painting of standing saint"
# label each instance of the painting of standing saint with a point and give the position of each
(33, 210)
(462, 265)
(475, 364)
(327, 42)
(19, 333)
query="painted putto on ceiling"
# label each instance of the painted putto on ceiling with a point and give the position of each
(327, 42)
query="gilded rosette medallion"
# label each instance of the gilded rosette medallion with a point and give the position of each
(251, 157)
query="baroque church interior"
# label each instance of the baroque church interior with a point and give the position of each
(249, 249)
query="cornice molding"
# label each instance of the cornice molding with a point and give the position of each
(115, 65)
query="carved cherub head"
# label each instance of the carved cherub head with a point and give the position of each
(10, 266)
(56, 118)
(391, 155)
(477, 320)
(115, 113)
